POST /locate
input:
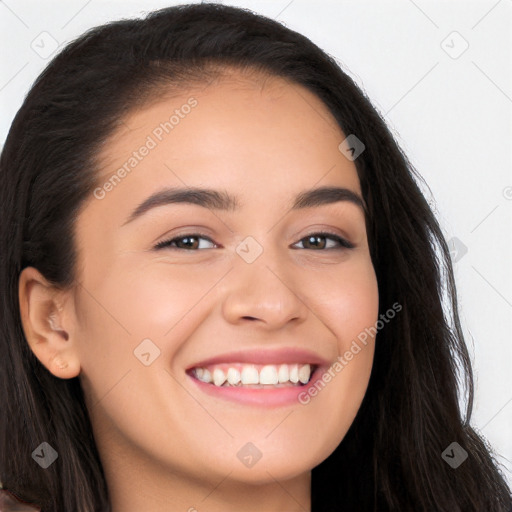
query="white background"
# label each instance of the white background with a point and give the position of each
(450, 112)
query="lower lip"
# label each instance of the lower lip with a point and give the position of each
(265, 397)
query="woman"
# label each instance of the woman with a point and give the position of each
(266, 370)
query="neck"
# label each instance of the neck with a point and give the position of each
(134, 488)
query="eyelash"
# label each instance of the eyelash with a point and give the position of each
(344, 244)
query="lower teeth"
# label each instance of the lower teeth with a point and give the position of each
(261, 386)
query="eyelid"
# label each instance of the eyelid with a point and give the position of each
(197, 234)
(343, 240)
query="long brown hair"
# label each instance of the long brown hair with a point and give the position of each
(391, 457)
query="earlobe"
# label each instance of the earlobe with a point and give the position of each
(46, 316)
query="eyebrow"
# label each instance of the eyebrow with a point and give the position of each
(221, 200)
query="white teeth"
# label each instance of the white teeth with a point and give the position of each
(245, 374)
(304, 373)
(294, 373)
(233, 376)
(283, 375)
(268, 375)
(219, 377)
(250, 375)
(205, 375)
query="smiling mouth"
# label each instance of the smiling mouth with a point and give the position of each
(243, 375)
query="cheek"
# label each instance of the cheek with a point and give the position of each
(143, 301)
(347, 298)
(161, 302)
(349, 309)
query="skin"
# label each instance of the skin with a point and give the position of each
(164, 444)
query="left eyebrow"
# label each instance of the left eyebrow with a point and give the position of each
(221, 200)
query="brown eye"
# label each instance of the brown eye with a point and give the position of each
(314, 241)
(185, 242)
(317, 241)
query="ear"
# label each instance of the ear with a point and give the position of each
(47, 317)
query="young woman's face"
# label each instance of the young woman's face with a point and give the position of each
(238, 289)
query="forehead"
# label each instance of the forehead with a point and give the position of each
(262, 136)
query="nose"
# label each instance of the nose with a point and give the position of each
(263, 293)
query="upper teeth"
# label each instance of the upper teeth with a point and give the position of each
(249, 374)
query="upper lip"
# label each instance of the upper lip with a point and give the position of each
(264, 356)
